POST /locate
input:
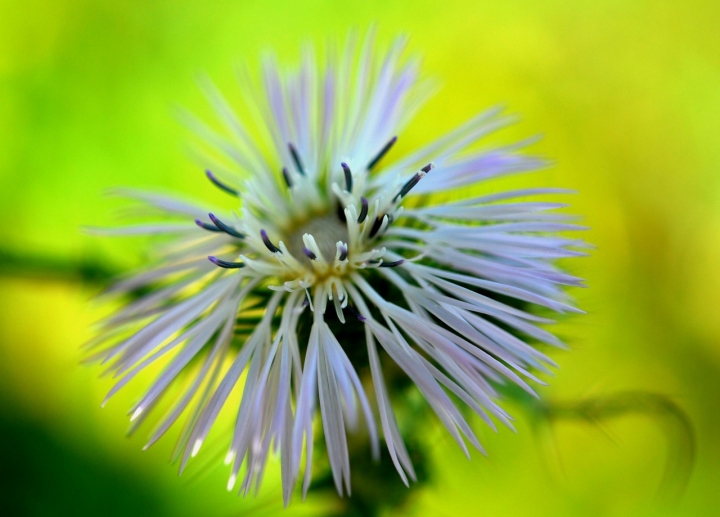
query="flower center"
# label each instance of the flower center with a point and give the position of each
(327, 231)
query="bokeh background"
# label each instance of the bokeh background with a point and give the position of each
(627, 97)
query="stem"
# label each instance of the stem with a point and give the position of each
(672, 420)
(59, 269)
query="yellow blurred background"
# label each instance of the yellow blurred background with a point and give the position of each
(627, 97)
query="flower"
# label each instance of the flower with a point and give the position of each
(339, 260)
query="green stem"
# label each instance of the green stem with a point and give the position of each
(55, 269)
(672, 420)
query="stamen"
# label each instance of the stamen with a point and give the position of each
(355, 313)
(206, 226)
(413, 181)
(225, 228)
(325, 248)
(407, 187)
(348, 177)
(363, 210)
(382, 153)
(221, 185)
(296, 159)
(392, 264)
(343, 253)
(269, 245)
(309, 254)
(384, 226)
(336, 297)
(376, 225)
(286, 175)
(225, 264)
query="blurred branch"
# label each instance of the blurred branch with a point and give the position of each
(672, 419)
(43, 267)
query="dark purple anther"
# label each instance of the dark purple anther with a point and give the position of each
(269, 245)
(309, 254)
(382, 153)
(225, 264)
(296, 159)
(225, 228)
(348, 177)
(363, 210)
(407, 187)
(286, 176)
(413, 181)
(343, 253)
(392, 264)
(206, 226)
(376, 225)
(221, 185)
(359, 316)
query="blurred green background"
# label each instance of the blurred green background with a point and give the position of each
(627, 96)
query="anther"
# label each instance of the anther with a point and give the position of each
(376, 225)
(359, 316)
(286, 176)
(407, 187)
(221, 185)
(269, 245)
(225, 264)
(343, 253)
(296, 159)
(392, 264)
(413, 181)
(309, 254)
(206, 226)
(225, 228)
(348, 177)
(363, 210)
(382, 153)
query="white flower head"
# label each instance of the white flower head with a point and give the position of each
(336, 247)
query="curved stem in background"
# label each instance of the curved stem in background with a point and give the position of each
(670, 417)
